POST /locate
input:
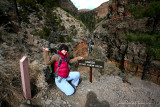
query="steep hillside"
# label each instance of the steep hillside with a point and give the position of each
(68, 6)
(41, 27)
(74, 27)
(129, 56)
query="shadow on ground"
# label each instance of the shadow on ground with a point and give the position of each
(92, 101)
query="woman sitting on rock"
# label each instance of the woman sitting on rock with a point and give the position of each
(64, 74)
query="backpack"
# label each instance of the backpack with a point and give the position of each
(49, 71)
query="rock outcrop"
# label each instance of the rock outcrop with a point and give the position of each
(102, 10)
(130, 55)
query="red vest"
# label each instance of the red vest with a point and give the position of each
(63, 69)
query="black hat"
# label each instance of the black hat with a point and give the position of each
(63, 47)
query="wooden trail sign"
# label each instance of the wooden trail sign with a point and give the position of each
(91, 64)
(25, 77)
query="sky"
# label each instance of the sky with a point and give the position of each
(87, 4)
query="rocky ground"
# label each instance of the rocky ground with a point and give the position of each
(104, 91)
(109, 88)
(109, 91)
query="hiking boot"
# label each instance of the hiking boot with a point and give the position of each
(75, 87)
(80, 80)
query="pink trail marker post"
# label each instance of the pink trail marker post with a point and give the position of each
(25, 77)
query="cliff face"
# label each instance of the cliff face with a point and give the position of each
(102, 10)
(109, 32)
(130, 56)
(111, 8)
(117, 7)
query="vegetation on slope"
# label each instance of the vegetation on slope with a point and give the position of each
(150, 10)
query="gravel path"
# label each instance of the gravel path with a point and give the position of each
(107, 92)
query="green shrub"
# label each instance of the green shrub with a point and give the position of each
(69, 39)
(67, 14)
(151, 41)
(61, 39)
(152, 11)
(62, 28)
(89, 19)
(35, 32)
(73, 26)
(50, 4)
(44, 33)
(39, 15)
(59, 21)
(29, 3)
(25, 11)
(74, 32)
(52, 19)
(67, 20)
(81, 25)
(24, 15)
(137, 11)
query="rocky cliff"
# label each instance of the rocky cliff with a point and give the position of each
(111, 8)
(102, 10)
(130, 55)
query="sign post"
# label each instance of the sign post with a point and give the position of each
(25, 77)
(91, 64)
(90, 74)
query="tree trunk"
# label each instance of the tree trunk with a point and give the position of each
(136, 70)
(16, 10)
(123, 57)
(146, 66)
(155, 23)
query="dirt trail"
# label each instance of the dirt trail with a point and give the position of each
(108, 91)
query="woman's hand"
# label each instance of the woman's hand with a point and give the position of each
(80, 58)
(45, 49)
